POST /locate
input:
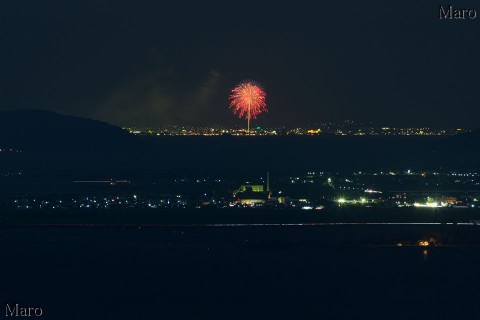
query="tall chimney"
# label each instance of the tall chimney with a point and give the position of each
(268, 181)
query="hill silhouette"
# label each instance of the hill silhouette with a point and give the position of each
(31, 130)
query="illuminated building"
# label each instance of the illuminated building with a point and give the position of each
(449, 200)
(250, 195)
(253, 194)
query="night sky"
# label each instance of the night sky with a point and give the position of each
(157, 62)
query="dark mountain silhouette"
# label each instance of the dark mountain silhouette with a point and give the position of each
(44, 130)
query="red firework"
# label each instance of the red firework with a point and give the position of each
(248, 100)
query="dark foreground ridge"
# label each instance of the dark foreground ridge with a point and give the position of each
(287, 272)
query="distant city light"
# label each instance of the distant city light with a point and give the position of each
(341, 129)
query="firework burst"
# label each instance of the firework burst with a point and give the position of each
(248, 100)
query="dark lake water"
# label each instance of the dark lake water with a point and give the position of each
(245, 156)
(296, 272)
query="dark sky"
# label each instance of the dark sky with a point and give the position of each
(157, 62)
